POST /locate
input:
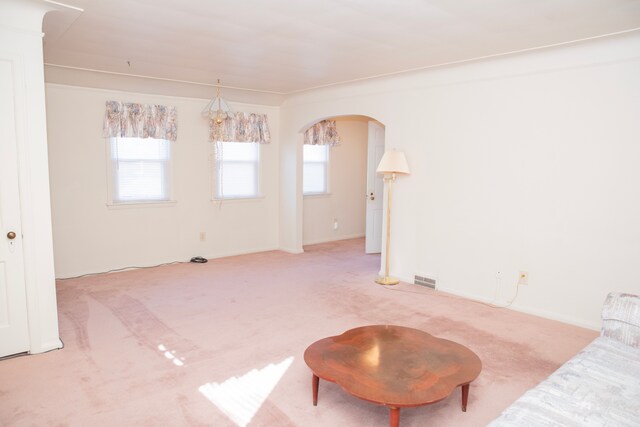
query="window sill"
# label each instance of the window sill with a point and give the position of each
(316, 195)
(239, 200)
(134, 205)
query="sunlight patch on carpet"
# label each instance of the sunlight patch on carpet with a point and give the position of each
(171, 355)
(240, 398)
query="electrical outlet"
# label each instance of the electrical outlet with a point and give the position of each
(335, 223)
(203, 236)
(523, 278)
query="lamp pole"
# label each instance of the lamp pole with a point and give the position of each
(386, 280)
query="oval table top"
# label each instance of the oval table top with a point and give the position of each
(393, 365)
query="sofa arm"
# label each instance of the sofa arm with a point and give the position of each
(621, 318)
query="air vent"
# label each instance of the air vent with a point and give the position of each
(424, 281)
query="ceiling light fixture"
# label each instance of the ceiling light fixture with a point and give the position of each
(217, 109)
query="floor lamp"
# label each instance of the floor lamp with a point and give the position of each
(393, 162)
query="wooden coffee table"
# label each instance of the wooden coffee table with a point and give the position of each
(394, 366)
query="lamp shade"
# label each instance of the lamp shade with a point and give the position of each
(393, 162)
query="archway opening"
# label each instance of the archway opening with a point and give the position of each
(342, 194)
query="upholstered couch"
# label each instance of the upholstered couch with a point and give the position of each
(600, 386)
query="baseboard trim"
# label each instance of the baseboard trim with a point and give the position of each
(517, 307)
(48, 346)
(291, 251)
(158, 264)
(242, 252)
(334, 239)
(528, 310)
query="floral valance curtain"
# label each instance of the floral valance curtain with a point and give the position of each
(130, 120)
(322, 133)
(241, 127)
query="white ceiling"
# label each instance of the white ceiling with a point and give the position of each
(287, 46)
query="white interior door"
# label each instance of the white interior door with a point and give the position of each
(375, 187)
(14, 331)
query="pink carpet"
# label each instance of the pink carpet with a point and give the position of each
(221, 344)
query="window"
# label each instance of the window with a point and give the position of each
(140, 170)
(237, 170)
(315, 169)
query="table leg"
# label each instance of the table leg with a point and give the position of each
(394, 416)
(314, 388)
(465, 397)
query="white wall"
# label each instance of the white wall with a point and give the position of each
(525, 162)
(91, 237)
(347, 179)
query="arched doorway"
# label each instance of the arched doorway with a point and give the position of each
(351, 205)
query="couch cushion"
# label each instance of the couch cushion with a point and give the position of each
(621, 318)
(600, 386)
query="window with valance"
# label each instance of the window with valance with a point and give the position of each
(140, 153)
(236, 145)
(318, 140)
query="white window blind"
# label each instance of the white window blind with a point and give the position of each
(315, 169)
(140, 170)
(237, 170)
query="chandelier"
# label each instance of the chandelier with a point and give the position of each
(217, 109)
